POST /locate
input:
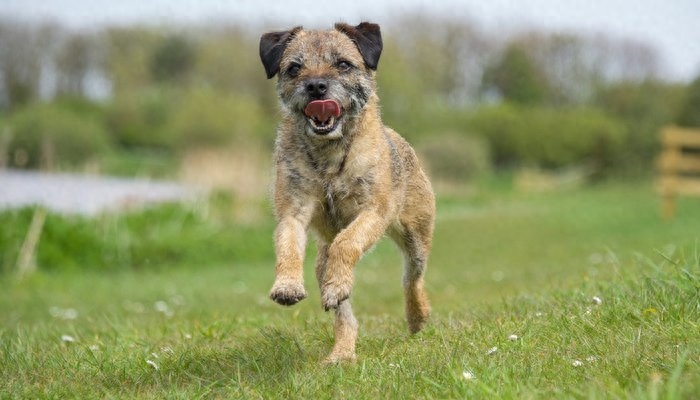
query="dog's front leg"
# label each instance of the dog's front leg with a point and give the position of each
(290, 243)
(344, 252)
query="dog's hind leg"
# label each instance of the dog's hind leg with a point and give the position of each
(345, 334)
(415, 244)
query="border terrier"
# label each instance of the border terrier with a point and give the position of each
(341, 173)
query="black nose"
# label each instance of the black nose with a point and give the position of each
(317, 88)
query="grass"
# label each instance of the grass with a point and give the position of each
(503, 264)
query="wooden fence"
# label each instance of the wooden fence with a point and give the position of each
(679, 166)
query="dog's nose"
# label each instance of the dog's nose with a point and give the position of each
(317, 88)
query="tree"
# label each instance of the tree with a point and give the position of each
(173, 60)
(690, 110)
(128, 54)
(21, 51)
(73, 63)
(516, 78)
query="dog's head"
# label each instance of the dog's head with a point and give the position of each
(325, 77)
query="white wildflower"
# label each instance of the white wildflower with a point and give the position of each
(67, 338)
(497, 276)
(492, 351)
(164, 308)
(591, 359)
(188, 336)
(468, 375)
(577, 363)
(152, 364)
(60, 313)
(513, 338)
(597, 300)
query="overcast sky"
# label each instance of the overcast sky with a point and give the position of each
(671, 26)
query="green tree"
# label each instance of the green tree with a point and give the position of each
(173, 60)
(690, 110)
(516, 78)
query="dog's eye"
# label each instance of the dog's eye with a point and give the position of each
(344, 66)
(293, 69)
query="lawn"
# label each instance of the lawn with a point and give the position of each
(582, 293)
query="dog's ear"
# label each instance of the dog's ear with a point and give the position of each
(368, 39)
(272, 47)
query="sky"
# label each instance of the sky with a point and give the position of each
(672, 27)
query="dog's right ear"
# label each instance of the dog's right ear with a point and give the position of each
(272, 47)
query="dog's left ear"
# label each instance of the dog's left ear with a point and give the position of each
(272, 47)
(368, 39)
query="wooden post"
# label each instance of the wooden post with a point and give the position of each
(26, 262)
(680, 171)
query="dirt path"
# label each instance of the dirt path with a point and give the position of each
(86, 195)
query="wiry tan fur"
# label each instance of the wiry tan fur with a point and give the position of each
(349, 187)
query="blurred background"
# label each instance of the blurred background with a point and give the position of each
(177, 86)
(533, 95)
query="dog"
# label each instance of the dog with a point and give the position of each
(342, 174)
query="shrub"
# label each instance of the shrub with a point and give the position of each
(455, 157)
(45, 135)
(138, 119)
(549, 138)
(205, 118)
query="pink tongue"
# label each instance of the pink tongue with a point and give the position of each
(322, 110)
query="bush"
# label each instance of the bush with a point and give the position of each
(139, 119)
(205, 118)
(549, 138)
(173, 120)
(455, 157)
(48, 136)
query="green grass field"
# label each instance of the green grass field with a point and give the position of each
(512, 279)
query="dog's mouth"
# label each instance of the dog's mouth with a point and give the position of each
(323, 115)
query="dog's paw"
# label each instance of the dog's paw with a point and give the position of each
(333, 293)
(338, 358)
(287, 292)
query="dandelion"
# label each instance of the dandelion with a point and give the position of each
(468, 375)
(67, 338)
(577, 363)
(152, 364)
(164, 308)
(513, 338)
(597, 300)
(492, 351)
